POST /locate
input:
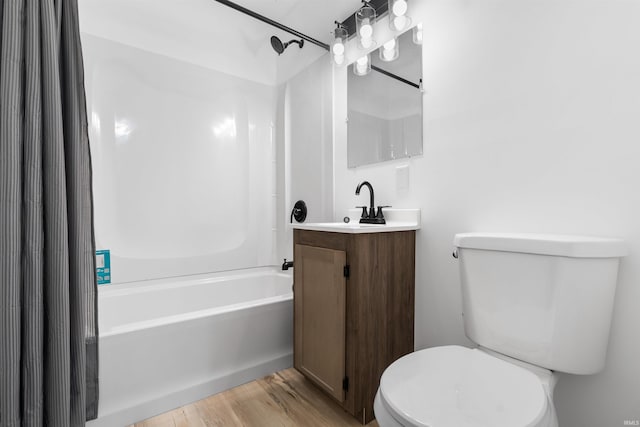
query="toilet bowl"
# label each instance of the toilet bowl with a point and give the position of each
(534, 305)
(454, 386)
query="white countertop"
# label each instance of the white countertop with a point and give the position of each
(397, 220)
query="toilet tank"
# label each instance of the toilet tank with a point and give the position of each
(543, 299)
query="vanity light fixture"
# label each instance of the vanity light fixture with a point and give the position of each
(365, 18)
(398, 19)
(360, 24)
(417, 33)
(340, 35)
(362, 65)
(390, 50)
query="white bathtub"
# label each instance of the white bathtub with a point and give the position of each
(165, 343)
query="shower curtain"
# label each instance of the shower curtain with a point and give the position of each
(48, 328)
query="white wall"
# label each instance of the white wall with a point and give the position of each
(530, 124)
(305, 108)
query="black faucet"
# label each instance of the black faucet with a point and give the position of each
(372, 209)
(370, 217)
(287, 264)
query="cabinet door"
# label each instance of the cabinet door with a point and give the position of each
(319, 316)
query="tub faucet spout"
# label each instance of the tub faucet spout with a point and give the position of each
(287, 264)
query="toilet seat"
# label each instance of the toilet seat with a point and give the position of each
(458, 386)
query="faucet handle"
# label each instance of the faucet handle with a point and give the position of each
(380, 214)
(364, 211)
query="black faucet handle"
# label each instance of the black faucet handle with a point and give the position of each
(380, 214)
(364, 211)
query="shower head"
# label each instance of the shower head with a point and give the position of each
(279, 47)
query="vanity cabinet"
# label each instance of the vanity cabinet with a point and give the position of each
(353, 310)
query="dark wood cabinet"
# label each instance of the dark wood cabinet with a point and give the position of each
(320, 309)
(353, 310)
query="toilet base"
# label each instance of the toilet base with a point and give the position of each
(383, 417)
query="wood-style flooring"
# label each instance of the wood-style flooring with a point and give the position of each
(285, 398)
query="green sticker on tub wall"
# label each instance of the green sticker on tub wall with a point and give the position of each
(103, 267)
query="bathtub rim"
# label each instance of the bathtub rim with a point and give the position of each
(140, 286)
(131, 288)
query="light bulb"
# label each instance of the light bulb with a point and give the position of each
(390, 44)
(365, 18)
(389, 50)
(399, 7)
(388, 54)
(338, 59)
(366, 30)
(362, 66)
(417, 34)
(399, 22)
(338, 48)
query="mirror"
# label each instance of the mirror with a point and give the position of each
(384, 113)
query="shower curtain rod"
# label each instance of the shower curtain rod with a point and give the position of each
(394, 76)
(271, 22)
(325, 46)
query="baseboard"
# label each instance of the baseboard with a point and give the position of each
(159, 405)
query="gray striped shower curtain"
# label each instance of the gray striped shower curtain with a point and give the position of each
(48, 306)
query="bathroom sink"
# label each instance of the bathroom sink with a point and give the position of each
(346, 225)
(397, 220)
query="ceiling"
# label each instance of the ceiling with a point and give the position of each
(210, 34)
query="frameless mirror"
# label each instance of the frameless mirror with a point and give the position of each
(385, 106)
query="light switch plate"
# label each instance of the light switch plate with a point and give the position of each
(402, 178)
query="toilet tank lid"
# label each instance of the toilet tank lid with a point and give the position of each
(544, 244)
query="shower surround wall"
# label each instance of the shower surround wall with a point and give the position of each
(305, 131)
(186, 107)
(184, 184)
(184, 164)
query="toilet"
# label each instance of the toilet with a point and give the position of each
(534, 305)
